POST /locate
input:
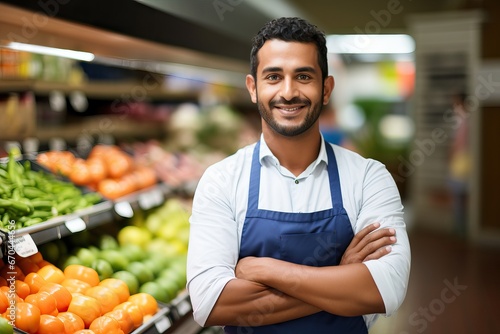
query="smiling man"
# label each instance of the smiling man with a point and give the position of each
(293, 234)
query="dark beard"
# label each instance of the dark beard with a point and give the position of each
(287, 131)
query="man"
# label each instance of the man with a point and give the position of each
(272, 246)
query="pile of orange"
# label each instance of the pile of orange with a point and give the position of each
(38, 298)
(108, 169)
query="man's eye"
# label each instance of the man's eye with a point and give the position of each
(272, 77)
(303, 77)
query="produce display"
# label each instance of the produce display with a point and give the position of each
(175, 169)
(29, 197)
(107, 280)
(107, 169)
(149, 256)
(38, 297)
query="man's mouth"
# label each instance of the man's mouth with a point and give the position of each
(289, 109)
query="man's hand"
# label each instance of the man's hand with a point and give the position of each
(369, 244)
(251, 268)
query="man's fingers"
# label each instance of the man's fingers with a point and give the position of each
(373, 237)
(378, 253)
(371, 245)
(367, 230)
(363, 233)
(377, 244)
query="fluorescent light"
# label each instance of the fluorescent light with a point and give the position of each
(370, 44)
(78, 55)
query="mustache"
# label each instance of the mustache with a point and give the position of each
(294, 100)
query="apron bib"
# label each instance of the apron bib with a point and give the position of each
(313, 239)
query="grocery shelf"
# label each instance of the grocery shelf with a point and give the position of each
(61, 226)
(89, 218)
(94, 89)
(158, 323)
(181, 305)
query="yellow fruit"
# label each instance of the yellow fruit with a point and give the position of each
(134, 235)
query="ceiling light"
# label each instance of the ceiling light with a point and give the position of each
(370, 44)
(78, 55)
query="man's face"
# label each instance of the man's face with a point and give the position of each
(289, 89)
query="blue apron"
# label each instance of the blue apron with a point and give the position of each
(314, 239)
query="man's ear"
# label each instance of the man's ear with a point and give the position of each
(328, 89)
(252, 87)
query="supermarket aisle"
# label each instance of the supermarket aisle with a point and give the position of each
(453, 289)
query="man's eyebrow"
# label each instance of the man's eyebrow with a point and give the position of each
(272, 69)
(297, 70)
(305, 69)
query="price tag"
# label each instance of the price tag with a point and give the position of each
(25, 246)
(151, 199)
(163, 324)
(124, 209)
(76, 225)
(183, 307)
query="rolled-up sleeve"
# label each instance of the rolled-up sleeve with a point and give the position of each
(381, 203)
(213, 244)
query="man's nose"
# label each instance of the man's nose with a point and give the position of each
(288, 89)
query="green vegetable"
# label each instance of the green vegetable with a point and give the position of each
(29, 197)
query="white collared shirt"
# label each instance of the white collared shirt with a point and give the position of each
(369, 195)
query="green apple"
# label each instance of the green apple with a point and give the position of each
(141, 271)
(129, 279)
(86, 256)
(115, 258)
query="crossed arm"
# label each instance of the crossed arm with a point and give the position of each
(269, 291)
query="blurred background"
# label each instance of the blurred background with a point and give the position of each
(417, 88)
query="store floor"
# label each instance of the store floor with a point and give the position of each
(454, 288)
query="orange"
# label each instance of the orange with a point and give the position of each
(80, 173)
(111, 189)
(27, 266)
(22, 289)
(133, 310)
(97, 169)
(71, 321)
(85, 331)
(34, 282)
(82, 273)
(45, 302)
(105, 296)
(123, 318)
(4, 302)
(27, 317)
(61, 294)
(146, 303)
(43, 263)
(9, 294)
(36, 258)
(75, 285)
(85, 307)
(51, 273)
(105, 325)
(118, 286)
(50, 324)
(3, 281)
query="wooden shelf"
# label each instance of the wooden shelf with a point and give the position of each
(98, 89)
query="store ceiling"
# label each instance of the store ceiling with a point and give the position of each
(210, 33)
(243, 18)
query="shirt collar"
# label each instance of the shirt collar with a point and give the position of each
(265, 153)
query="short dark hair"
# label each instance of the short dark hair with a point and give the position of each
(290, 29)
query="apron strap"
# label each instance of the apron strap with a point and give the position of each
(333, 176)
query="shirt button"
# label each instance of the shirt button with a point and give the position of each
(296, 181)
